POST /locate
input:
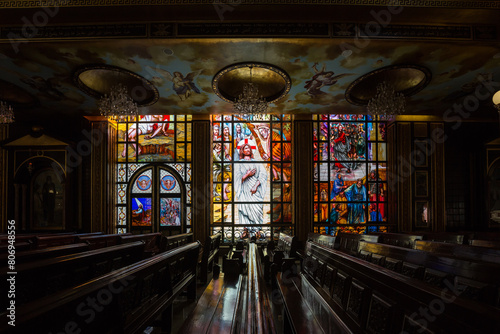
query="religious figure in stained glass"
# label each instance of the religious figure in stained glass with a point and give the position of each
(356, 194)
(249, 181)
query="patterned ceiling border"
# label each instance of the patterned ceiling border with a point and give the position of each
(462, 4)
(229, 30)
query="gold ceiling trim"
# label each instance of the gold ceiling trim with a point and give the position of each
(273, 83)
(457, 4)
(97, 80)
(406, 79)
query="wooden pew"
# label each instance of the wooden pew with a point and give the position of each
(485, 243)
(54, 240)
(284, 252)
(122, 301)
(327, 241)
(152, 242)
(475, 253)
(476, 279)
(101, 241)
(45, 253)
(210, 255)
(173, 241)
(454, 238)
(371, 299)
(397, 239)
(349, 242)
(41, 278)
(20, 246)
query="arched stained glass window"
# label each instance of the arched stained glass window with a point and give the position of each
(154, 173)
(252, 194)
(350, 174)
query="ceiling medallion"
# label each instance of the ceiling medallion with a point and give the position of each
(251, 86)
(98, 80)
(388, 85)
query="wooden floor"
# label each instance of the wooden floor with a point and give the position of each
(183, 306)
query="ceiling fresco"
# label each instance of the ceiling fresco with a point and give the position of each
(44, 71)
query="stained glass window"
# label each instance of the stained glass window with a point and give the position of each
(252, 183)
(157, 141)
(350, 168)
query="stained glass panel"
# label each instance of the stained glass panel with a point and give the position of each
(141, 211)
(146, 139)
(249, 174)
(349, 193)
(170, 212)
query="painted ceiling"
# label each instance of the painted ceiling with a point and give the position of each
(44, 71)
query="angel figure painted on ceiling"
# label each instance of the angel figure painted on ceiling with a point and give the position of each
(320, 79)
(182, 85)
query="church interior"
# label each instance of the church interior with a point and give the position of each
(250, 166)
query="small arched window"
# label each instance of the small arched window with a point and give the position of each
(157, 199)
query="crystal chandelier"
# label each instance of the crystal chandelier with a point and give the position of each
(250, 102)
(118, 104)
(386, 103)
(6, 113)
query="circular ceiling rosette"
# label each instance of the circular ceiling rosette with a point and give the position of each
(97, 80)
(273, 83)
(405, 79)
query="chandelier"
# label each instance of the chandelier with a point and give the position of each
(118, 104)
(386, 103)
(6, 113)
(250, 102)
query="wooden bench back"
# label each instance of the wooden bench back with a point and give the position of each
(288, 244)
(173, 241)
(102, 241)
(325, 240)
(122, 301)
(398, 239)
(485, 243)
(52, 241)
(474, 253)
(453, 238)
(45, 253)
(151, 241)
(349, 242)
(210, 254)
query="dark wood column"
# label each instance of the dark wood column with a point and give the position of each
(399, 182)
(438, 205)
(201, 177)
(302, 168)
(4, 133)
(416, 177)
(102, 175)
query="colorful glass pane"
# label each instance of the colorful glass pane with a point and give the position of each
(145, 139)
(141, 211)
(346, 192)
(170, 212)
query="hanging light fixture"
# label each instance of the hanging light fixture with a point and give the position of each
(6, 113)
(250, 102)
(118, 104)
(386, 103)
